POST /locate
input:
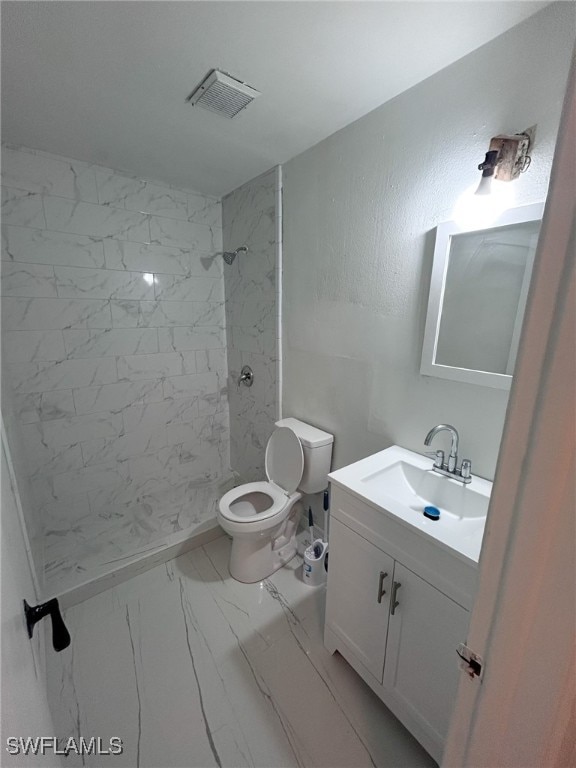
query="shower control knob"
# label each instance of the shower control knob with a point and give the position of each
(246, 376)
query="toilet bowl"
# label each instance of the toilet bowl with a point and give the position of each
(262, 517)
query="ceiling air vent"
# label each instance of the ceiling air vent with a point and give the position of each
(222, 94)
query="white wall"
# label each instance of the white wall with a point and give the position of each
(113, 341)
(360, 210)
(24, 705)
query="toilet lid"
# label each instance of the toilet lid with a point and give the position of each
(284, 459)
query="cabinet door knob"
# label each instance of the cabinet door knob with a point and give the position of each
(393, 602)
(381, 591)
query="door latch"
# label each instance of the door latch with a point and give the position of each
(60, 635)
(470, 662)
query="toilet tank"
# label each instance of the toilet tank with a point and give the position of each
(317, 447)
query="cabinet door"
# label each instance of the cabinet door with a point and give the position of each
(358, 597)
(421, 670)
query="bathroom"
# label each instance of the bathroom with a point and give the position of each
(125, 333)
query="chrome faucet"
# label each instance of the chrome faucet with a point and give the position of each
(449, 468)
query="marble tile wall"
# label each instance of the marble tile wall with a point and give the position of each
(16, 457)
(249, 217)
(114, 341)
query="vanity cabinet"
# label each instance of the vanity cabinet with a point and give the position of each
(421, 669)
(358, 598)
(396, 628)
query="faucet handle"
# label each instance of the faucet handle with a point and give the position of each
(438, 458)
(466, 469)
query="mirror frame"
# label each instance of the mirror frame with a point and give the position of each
(444, 234)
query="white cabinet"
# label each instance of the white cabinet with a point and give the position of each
(398, 630)
(358, 599)
(421, 670)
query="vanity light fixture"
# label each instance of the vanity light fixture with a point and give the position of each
(488, 167)
(506, 159)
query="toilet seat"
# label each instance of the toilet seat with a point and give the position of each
(284, 468)
(284, 459)
(278, 500)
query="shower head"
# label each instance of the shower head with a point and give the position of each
(229, 256)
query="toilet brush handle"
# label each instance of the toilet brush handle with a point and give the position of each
(311, 525)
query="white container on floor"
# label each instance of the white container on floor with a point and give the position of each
(314, 567)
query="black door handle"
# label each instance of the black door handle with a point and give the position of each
(60, 635)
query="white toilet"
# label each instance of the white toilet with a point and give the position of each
(262, 517)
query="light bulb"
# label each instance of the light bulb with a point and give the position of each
(485, 186)
(478, 211)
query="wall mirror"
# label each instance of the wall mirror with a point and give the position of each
(478, 291)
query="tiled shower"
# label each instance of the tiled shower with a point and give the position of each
(250, 218)
(119, 323)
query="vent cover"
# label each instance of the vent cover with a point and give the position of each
(222, 94)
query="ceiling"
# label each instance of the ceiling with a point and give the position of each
(106, 82)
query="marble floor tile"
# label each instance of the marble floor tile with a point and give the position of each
(192, 669)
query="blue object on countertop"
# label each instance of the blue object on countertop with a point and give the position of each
(432, 513)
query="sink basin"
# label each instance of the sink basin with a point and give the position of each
(419, 487)
(401, 483)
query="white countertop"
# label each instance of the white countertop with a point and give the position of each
(400, 483)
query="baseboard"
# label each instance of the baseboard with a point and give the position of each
(138, 564)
